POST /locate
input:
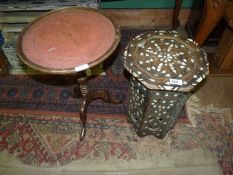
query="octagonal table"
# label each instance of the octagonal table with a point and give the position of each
(165, 67)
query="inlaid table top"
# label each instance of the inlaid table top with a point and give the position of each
(164, 60)
(68, 40)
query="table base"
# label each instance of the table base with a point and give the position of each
(87, 97)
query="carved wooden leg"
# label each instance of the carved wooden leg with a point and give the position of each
(87, 98)
(224, 53)
(212, 13)
(83, 117)
(176, 11)
(104, 95)
(84, 104)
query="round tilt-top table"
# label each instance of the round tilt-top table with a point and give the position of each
(67, 41)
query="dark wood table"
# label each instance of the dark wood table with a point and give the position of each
(69, 41)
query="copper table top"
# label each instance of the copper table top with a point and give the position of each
(68, 40)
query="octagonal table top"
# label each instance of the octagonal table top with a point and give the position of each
(164, 60)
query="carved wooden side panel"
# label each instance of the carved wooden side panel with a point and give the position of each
(224, 53)
(212, 13)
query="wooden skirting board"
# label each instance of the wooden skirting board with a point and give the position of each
(146, 18)
(123, 17)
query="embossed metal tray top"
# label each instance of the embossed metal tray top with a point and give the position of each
(163, 60)
(68, 40)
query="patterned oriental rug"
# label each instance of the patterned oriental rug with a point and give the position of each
(52, 140)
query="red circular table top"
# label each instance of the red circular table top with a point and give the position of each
(68, 40)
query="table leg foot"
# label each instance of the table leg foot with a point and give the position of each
(83, 133)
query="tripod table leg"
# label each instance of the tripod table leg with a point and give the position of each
(87, 98)
(84, 104)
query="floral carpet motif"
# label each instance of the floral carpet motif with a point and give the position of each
(213, 133)
(43, 140)
(47, 140)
